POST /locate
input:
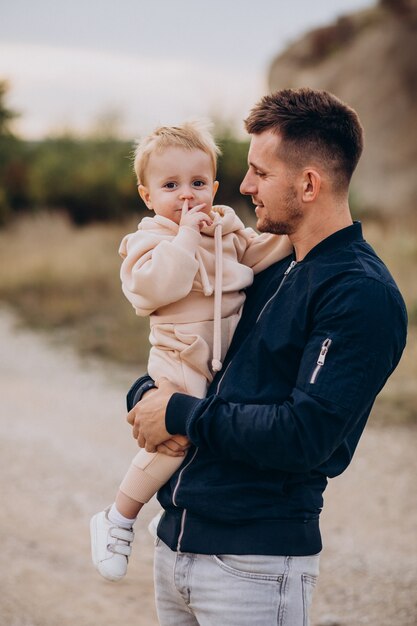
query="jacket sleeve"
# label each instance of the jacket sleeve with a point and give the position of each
(325, 405)
(260, 251)
(138, 389)
(155, 273)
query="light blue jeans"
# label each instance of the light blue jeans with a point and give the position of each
(233, 590)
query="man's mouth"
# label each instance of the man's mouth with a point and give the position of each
(258, 205)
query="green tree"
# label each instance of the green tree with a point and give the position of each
(6, 114)
(91, 179)
(9, 149)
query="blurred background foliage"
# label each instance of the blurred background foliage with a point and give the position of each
(90, 179)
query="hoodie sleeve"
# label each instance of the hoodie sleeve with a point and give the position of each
(157, 272)
(260, 251)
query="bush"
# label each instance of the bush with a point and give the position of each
(90, 179)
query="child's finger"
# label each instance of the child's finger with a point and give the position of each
(184, 208)
(201, 217)
(165, 449)
(197, 208)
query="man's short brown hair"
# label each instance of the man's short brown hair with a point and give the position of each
(314, 126)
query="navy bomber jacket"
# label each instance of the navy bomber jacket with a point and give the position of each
(316, 342)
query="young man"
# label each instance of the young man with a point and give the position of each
(320, 333)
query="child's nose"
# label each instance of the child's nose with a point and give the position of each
(187, 194)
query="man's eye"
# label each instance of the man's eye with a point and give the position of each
(258, 173)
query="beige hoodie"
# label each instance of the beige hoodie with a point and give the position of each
(178, 276)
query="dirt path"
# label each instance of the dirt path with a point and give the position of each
(64, 447)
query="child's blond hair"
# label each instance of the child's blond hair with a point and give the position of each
(193, 135)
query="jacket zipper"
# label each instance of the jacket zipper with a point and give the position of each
(184, 513)
(221, 379)
(320, 361)
(287, 271)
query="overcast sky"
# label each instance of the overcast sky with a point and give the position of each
(148, 62)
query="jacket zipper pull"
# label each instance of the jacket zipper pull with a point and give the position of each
(320, 361)
(289, 268)
(323, 352)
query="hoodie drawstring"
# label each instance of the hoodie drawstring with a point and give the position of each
(218, 289)
(205, 282)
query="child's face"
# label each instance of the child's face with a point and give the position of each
(176, 175)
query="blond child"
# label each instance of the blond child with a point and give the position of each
(186, 268)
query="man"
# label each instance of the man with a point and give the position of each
(320, 333)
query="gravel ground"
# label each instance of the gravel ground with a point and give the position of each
(64, 446)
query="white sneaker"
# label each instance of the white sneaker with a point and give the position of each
(110, 546)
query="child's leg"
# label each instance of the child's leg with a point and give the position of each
(150, 471)
(147, 473)
(111, 530)
(127, 506)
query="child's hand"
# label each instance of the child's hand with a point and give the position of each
(194, 218)
(176, 446)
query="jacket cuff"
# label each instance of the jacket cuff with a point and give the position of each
(138, 389)
(179, 409)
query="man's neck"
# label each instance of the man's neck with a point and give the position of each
(312, 232)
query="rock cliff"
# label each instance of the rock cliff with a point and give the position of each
(369, 60)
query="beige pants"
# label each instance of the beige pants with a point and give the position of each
(182, 353)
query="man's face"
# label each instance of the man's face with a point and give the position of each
(270, 182)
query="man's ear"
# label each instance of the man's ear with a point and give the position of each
(311, 184)
(215, 188)
(145, 195)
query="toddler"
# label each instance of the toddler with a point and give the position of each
(186, 268)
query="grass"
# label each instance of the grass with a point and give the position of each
(66, 279)
(397, 246)
(63, 278)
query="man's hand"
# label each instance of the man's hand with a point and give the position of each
(148, 420)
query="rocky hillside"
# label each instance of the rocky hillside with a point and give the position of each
(369, 60)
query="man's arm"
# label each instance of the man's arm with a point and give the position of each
(304, 431)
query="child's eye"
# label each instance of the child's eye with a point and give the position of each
(170, 185)
(199, 183)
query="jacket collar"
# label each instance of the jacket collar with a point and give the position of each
(339, 239)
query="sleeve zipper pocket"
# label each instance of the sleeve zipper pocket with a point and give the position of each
(320, 361)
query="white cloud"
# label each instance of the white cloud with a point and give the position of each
(56, 87)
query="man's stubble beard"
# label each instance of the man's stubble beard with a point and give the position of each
(293, 213)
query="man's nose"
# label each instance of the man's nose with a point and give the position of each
(247, 186)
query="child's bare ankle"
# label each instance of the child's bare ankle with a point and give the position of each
(126, 506)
